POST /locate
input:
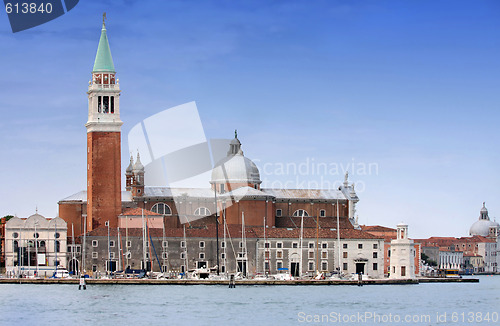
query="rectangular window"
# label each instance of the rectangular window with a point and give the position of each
(311, 254)
(295, 245)
(223, 256)
(322, 213)
(267, 245)
(344, 255)
(375, 266)
(360, 246)
(128, 255)
(95, 243)
(324, 254)
(147, 243)
(223, 269)
(183, 255)
(266, 266)
(111, 243)
(344, 245)
(105, 104)
(279, 245)
(324, 245)
(223, 244)
(374, 254)
(129, 244)
(112, 104)
(311, 245)
(266, 256)
(94, 268)
(344, 266)
(202, 255)
(202, 244)
(241, 244)
(324, 266)
(95, 255)
(112, 255)
(183, 244)
(164, 255)
(279, 264)
(164, 244)
(310, 266)
(375, 246)
(279, 254)
(278, 212)
(99, 104)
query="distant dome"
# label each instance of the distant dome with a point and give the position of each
(482, 226)
(235, 167)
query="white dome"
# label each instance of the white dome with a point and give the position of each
(236, 169)
(482, 227)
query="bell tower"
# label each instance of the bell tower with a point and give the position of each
(103, 140)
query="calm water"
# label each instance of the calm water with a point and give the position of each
(250, 305)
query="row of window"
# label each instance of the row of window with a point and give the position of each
(164, 209)
(36, 235)
(300, 213)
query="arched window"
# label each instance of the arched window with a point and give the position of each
(202, 211)
(299, 213)
(161, 208)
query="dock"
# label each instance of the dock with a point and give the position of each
(136, 281)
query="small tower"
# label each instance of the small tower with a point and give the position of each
(402, 264)
(138, 178)
(129, 175)
(103, 140)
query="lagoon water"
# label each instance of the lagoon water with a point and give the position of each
(422, 304)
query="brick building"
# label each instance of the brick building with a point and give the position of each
(233, 197)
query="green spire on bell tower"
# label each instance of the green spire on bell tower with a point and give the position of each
(103, 60)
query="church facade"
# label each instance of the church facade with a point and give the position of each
(177, 229)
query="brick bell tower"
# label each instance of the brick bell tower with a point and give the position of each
(103, 140)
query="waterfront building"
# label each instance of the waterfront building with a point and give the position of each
(176, 229)
(35, 244)
(402, 255)
(480, 251)
(389, 234)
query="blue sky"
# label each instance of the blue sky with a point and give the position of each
(411, 86)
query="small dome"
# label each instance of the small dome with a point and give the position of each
(130, 167)
(138, 167)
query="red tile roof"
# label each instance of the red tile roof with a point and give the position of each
(208, 231)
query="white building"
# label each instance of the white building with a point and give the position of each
(402, 263)
(35, 245)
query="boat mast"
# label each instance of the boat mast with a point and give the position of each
(300, 241)
(216, 227)
(143, 242)
(266, 258)
(185, 254)
(108, 269)
(119, 250)
(225, 242)
(317, 239)
(338, 233)
(245, 252)
(84, 243)
(73, 254)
